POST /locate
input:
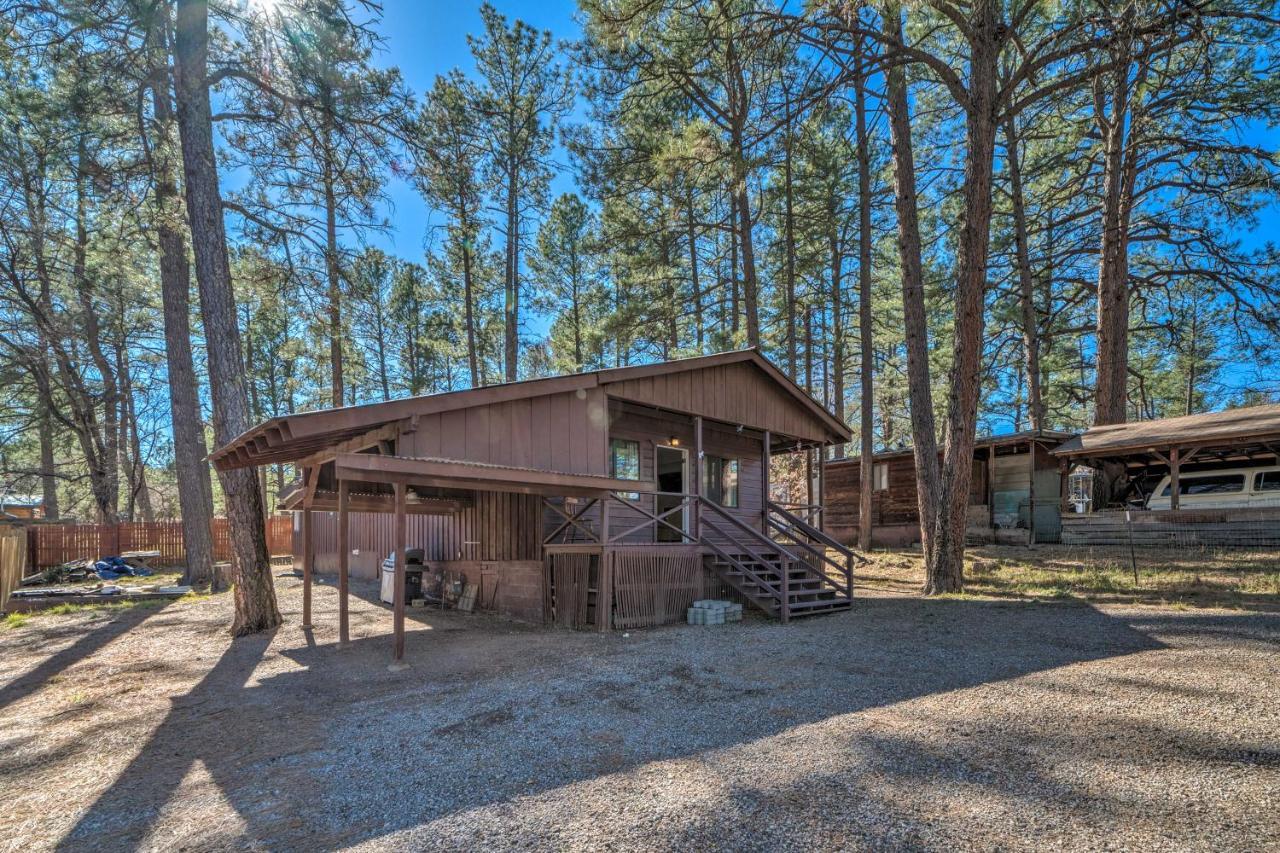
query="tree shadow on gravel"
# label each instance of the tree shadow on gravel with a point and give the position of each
(342, 751)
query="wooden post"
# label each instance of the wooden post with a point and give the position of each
(766, 458)
(991, 489)
(698, 468)
(398, 541)
(344, 560)
(1064, 486)
(604, 591)
(785, 610)
(1175, 463)
(1031, 497)
(822, 487)
(308, 558)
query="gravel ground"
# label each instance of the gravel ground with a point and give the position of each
(961, 724)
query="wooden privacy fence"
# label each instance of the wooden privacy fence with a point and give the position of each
(13, 559)
(55, 544)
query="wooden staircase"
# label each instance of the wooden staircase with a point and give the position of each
(791, 576)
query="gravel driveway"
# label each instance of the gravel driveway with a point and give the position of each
(902, 724)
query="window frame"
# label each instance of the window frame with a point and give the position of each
(1260, 477)
(614, 442)
(878, 468)
(1187, 481)
(725, 464)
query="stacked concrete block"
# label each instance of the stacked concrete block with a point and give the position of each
(710, 611)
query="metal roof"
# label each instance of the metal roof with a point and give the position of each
(990, 440)
(1251, 424)
(294, 436)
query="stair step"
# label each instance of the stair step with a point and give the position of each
(838, 601)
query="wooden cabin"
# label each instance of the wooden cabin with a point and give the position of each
(613, 498)
(14, 507)
(1215, 475)
(1007, 503)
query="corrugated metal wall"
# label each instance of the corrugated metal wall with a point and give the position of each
(498, 526)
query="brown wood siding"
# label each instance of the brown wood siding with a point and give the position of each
(737, 393)
(898, 505)
(498, 526)
(565, 432)
(653, 428)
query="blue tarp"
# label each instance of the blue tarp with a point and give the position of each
(110, 568)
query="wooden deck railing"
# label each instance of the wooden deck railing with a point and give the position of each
(815, 542)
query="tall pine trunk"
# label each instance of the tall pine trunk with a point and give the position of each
(468, 287)
(915, 318)
(255, 599)
(695, 285)
(1026, 282)
(867, 353)
(333, 277)
(944, 570)
(104, 478)
(1111, 394)
(511, 312)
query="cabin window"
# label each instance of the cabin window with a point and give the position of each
(1216, 484)
(720, 480)
(1267, 481)
(880, 477)
(624, 463)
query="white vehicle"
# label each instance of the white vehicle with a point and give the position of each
(1231, 487)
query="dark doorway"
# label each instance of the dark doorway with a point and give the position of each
(672, 465)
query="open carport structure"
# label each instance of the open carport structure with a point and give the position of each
(1147, 451)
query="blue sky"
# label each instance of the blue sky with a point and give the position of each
(424, 39)
(430, 38)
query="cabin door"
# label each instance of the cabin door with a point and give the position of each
(672, 466)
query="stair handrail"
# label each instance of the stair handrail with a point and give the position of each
(759, 580)
(794, 524)
(816, 533)
(774, 545)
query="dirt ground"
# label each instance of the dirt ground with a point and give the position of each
(966, 723)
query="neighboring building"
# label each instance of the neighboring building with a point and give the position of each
(1207, 479)
(1002, 492)
(21, 507)
(612, 498)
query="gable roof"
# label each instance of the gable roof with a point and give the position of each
(980, 442)
(1251, 422)
(309, 432)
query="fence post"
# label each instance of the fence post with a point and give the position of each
(786, 590)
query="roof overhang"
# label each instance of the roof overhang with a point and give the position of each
(327, 501)
(1245, 431)
(327, 432)
(460, 474)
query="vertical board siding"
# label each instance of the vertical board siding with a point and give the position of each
(498, 526)
(54, 544)
(557, 432)
(570, 589)
(653, 428)
(739, 393)
(655, 588)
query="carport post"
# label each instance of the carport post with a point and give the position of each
(1031, 498)
(308, 557)
(399, 542)
(1175, 464)
(344, 561)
